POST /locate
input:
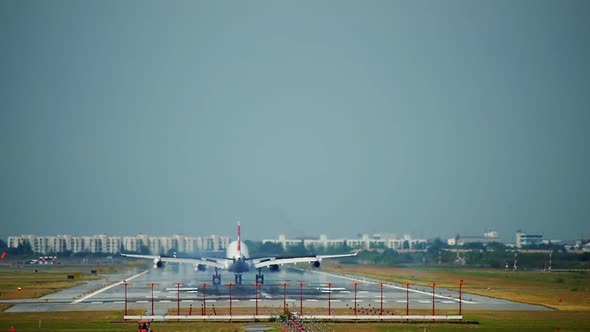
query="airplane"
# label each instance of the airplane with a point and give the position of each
(238, 261)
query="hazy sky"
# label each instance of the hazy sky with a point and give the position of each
(307, 117)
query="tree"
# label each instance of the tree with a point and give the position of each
(473, 245)
(260, 249)
(297, 250)
(436, 245)
(144, 250)
(495, 246)
(22, 249)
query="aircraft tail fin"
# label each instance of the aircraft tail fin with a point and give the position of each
(239, 240)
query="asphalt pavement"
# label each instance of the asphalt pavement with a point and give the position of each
(310, 288)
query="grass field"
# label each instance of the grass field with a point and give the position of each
(39, 280)
(478, 321)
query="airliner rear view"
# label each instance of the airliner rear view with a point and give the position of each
(238, 261)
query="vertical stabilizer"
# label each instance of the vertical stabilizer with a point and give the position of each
(239, 240)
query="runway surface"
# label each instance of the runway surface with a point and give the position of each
(109, 294)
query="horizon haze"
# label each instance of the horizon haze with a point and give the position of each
(337, 117)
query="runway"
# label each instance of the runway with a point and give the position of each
(317, 289)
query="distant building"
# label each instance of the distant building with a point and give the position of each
(523, 239)
(458, 240)
(107, 244)
(363, 242)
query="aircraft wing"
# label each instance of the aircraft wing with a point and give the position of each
(207, 261)
(265, 262)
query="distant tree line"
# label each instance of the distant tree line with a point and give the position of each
(475, 254)
(22, 250)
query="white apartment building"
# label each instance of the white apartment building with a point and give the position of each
(364, 242)
(108, 244)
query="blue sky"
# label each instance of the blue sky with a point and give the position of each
(337, 117)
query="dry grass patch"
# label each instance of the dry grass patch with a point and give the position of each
(35, 282)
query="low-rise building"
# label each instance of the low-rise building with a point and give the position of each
(107, 244)
(460, 240)
(363, 242)
(524, 239)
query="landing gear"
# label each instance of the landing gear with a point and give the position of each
(216, 278)
(260, 277)
(238, 277)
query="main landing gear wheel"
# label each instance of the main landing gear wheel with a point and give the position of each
(238, 278)
(216, 278)
(259, 277)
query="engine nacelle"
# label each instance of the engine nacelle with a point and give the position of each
(200, 268)
(273, 268)
(315, 264)
(158, 264)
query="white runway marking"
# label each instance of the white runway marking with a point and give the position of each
(165, 301)
(311, 300)
(332, 288)
(357, 279)
(141, 301)
(424, 301)
(108, 287)
(119, 302)
(186, 301)
(96, 302)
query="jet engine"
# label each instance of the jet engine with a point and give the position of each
(273, 268)
(315, 264)
(158, 264)
(200, 268)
